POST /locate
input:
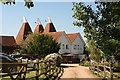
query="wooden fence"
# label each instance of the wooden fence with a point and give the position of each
(103, 71)
(42, 69)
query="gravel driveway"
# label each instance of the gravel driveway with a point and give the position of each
(76, 72)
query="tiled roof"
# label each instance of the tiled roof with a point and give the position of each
(72, 37)
(49, 28)
(7, 41)
(55, 35)
(24, 31)
(39, 28)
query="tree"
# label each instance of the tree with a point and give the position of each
(28, 3)
(109, 27)
(101, 25)
(95, 53)
(86, 18)
(41, 44)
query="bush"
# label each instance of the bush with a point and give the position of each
(116, 67)
(54, 57)
(84, 63)
(41, 44)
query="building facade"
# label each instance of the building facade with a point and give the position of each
(69, 43)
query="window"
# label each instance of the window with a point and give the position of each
(67, 46)
(78, 47)
(81, 48)
(63, 46)
(74, 46)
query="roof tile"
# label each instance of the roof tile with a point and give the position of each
(55, 35)
(24, 31)
(39, 28)
(72, 36)
(7, 41)
(49, 28)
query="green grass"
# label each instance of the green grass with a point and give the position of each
(84, 63)
(116, 75)
(30, 74)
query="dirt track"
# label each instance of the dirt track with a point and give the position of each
(76, 72)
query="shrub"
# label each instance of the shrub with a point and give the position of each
(54, 57)
(116, 67)
(84, 63)
(41, 44)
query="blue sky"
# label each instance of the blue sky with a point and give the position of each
(59, 12)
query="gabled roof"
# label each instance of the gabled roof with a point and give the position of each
(7, 41)
(55, 35)
(49, 27)
(24, 31)
(39, 28)
(73, 36)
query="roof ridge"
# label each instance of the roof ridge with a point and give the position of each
(38, 21)
(49, 20)
(49, 28)
(72, 36)
(39, 28)
(73, 33)
(57, 32)
(6, 36)
(24, 19)
(23, 32)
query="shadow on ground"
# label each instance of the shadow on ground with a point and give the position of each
(69, 65)
(63, 66)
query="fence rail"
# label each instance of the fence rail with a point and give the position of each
(103, 71)
(48, 69)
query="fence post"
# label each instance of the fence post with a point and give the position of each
(18, 68)
(111, 70)
(25, 69)
(37, 69)
(97, 68)
(104, 76)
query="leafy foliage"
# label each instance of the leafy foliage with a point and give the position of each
(87, 18)
(55, 58)
(102, 25)
(39, 44)
(95, 53)
(85, 63)
(28, 3)
(109, 27)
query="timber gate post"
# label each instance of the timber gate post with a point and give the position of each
(37, 69)
(18, 68)
(111, 68)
